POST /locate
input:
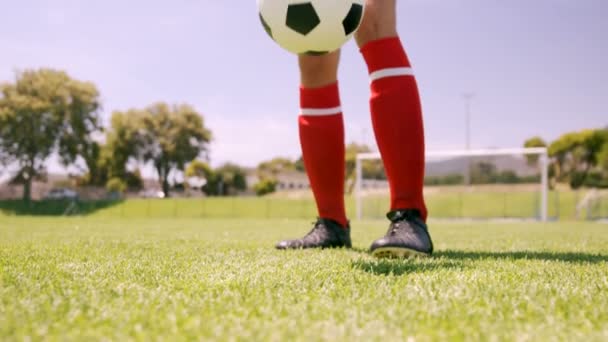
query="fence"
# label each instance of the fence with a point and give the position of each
(562, 206)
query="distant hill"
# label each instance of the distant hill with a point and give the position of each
(518, 164)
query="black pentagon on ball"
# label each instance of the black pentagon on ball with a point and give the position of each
(302, 18)
(351, 22)
(266, 27)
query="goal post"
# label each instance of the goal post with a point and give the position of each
(542, 164)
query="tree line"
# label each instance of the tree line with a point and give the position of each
(45, 112)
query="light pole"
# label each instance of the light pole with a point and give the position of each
(467, 117)
(467, 122)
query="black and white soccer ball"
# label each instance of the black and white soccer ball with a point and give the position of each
(311, 27)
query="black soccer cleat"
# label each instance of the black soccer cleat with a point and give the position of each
(407, 237)
(325, 234)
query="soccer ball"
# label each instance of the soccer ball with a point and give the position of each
(312, 27)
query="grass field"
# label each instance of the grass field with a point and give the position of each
(220, 279)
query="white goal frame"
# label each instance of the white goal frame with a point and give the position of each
(540, 151)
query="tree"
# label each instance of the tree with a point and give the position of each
(351, 152)
(483, 173)
(122, 145)
(227, 179)
(602, 158)
(299, 164)
(230, 178)
(602, 153)
(198, 168)
(116, 186)
(534, 142)
(134, 180)
(200, 173)
(4, 157)
(77, 136)
(272, 168)
(371, 169)
(170, 137)
(575, 154)
(265, 186)
(42, 112)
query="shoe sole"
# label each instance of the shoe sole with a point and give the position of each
(398, 253)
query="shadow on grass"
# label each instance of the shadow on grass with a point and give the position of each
(573, 257)
(404, 266)
(453, 259)
(54, 207)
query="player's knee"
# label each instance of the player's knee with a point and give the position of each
(379, 21)
(366, 32)
(316, 71)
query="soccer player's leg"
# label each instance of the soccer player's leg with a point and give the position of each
(321, 130)
(398, 128)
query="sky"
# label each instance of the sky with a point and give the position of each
(535, 67)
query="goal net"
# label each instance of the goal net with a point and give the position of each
(465, 184)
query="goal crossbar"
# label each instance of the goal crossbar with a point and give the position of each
(540, 151)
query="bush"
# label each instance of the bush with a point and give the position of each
(134, 180)
(116, 186)
(507, 177)
(265, 186)
(597, 179)
(63, 183)
(450, 179)
(226, 180)
(577, 179)
(179, 187)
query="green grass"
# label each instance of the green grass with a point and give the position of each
(211, 279)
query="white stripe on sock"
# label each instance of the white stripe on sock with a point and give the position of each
(321, 111)
(391, 72)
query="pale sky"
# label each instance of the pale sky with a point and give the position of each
(536, 67)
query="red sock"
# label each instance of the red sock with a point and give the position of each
(397, 121)
(322, 140)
